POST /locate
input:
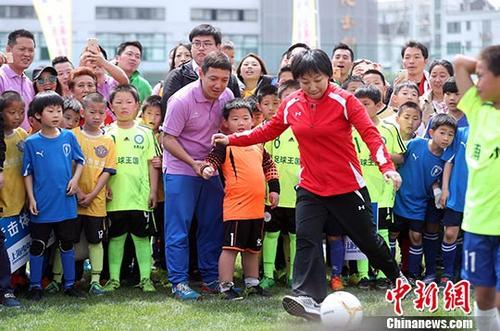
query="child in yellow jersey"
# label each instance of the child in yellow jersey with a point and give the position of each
(12, 193)
(151, 117)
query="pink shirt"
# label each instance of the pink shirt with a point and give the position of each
(10, 81)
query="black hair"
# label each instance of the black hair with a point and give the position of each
(125, 88)
(444, 63)
(236, 104)
(45, 99)
(450, 86)
(216, 60)
(94, 97)
(443, 120)
(70, 103)
(368, 92)
(265, 91)
(21, 33)
(406, 84)
(288, 84)
(343, 46)
(124, 45)
(415, 44)
(491, 56)
(174, 53)
(289, 50)
(151, 101)
(61, 59)
(312, 61)
(263, 69)
(9, 97)
(286, 68)
(352, 79)
(409, 104)
(375, 72)
(206, 30)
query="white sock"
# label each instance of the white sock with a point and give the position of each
(486, 320)
(250, 282)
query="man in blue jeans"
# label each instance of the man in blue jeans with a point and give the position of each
(194, 114)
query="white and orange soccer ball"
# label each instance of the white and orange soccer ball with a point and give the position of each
(341, 310)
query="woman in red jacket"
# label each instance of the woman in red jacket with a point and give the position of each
(331, 187)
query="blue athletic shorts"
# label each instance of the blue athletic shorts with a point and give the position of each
(481, 260)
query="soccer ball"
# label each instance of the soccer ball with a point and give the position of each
(341, 310)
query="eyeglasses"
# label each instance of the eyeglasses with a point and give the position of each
(50, 79)
(206, 44)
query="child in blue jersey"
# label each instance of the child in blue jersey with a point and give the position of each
(51, 185)
(421, 172)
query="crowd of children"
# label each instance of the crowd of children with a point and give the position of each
(90, 171)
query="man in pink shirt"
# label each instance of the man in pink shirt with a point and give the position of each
(19, 56)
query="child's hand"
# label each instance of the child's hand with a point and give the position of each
(72, 187)
(444, 198)
(208, 172)
(220, 138)
(153, 199)
(274, 199)
(197, 165)
(85, 200)
(395, 177)
(156, 162)
(32, 207)
(109, 193)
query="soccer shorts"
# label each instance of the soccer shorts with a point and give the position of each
(63, 230)
(432, 214)
(137, 222)
(452, 217)
(282, 219)
(93, 228)
(402, 224)
(243, 235)
(385, 218)
(481, 260)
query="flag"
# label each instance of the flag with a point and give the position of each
(56, 22)
(305, 23)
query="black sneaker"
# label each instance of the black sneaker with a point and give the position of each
(382, 284)
(74, 292)
(364, 284)
(9, 300)
(302, 306)
(231, 295)
(256, 290)
(35, 294)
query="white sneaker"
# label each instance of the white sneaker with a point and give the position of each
(302, 306)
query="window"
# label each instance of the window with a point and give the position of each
(468, 46)
(453, 48)
(154, 45)
(130, 13)
(437, 21)
(17, 12)
(244, 44)
(467, 25)
(207, 14)
(453, 27)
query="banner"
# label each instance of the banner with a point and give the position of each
(352, 252)
(305, 27)
(17, 239)
(55, 17)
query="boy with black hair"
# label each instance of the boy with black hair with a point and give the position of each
(375, 78)
(408, 118)
(51, 186)
(268, 101)
(245, 170)
(481, 104)
(352, 83)
(421, 172)
(71, 113)
(284, 74)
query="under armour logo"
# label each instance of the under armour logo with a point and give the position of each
(39, 153)
(298, 113)
(362, 207)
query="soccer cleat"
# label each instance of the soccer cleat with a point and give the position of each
(184, 292)
(111, 285)
(257, 290)
(382, 284)
(353, 280)
(231, 295)
(302, 306)
(146, 285)
(96, 289)
(267, 282)
(9, 300)
(74, 292)
(35, 294)
(210, 288)
(429, 279)
(364, 284)
(53, 287)
(336, 283)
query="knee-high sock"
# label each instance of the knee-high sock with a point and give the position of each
(337, 256)
(57, 266)
(392, 246)
(293, 249)
(269, 247)
(415, 260)
(486, 319)
(362, 268)
(144, 255)
(115, 256)
(431, 250)
(96, 255)
(449, 252)
(68, 266)
(384, 233)
(36, 266)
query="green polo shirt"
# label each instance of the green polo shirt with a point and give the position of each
(141, 84)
